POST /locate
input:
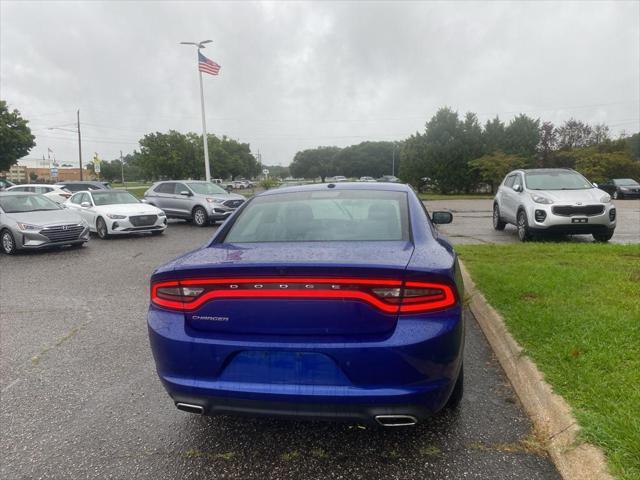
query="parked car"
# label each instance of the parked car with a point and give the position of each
(620, 188)
(4, 184)
(57, 193)
(79, 186)
(553, 201)
(389, 179)
(116, 212)
(31, 221)
(197, 201)
(336, 301)
(367, 179)
(337, 179)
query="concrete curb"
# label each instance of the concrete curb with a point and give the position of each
(549, 412)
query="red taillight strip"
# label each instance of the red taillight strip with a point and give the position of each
(418, 304)
(259, 294)
(349, 281)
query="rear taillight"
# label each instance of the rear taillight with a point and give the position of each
(389, 296)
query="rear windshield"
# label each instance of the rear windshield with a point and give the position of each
(27, 203)
(561, 180)
(332, 215)
(112, 197)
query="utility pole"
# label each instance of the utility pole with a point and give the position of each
(79, 146)
(122, 171)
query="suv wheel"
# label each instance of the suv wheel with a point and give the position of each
(8, 243)
(498, 224)
(523, 227)
(200, 216)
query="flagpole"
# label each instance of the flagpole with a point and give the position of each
(204, 126)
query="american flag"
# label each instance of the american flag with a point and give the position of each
(207, 66)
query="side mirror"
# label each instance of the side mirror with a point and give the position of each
(517, 188)
(185, 193)
(85, 204)
(441, 218)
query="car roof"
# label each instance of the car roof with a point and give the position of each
(90, 182)
(16, 194)
(543, 170)
(393, 187)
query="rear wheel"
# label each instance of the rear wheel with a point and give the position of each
(200, 216)
(498, 224)
(603, 237)
(523, 227)
(8, 242)
(458, 390)
(101, 228)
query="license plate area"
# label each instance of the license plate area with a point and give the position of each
(580, 220)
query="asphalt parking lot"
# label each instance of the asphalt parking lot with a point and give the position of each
(472, 223)
(80, 397)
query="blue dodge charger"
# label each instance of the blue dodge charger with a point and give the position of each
(337, 301)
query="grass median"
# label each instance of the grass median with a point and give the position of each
(575, 308)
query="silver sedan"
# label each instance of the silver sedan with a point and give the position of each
(32, 221)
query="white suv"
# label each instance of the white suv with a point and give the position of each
(553, 200)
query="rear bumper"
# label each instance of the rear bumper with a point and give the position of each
(411, 372)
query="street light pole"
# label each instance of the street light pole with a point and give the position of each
(79, 146)
(205, 143)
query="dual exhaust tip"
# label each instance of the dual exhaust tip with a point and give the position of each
(384, 420)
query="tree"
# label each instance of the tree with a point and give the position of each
(314, 163)
(633, 146)
(601, 166)
(522, 136)
(493, 167)
(493, 136)
(372, 159)
(548, 142)
(16, 139)
(574, 134)
(412, 158)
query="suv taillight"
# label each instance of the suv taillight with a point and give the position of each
(389, 296)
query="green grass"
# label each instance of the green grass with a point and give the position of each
(575, 308)
(454, 196)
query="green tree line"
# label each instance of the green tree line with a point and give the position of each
(459, 154)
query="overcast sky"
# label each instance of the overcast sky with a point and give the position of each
(299, 75)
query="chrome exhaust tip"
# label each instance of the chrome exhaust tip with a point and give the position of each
(187, 407)
(396, 420)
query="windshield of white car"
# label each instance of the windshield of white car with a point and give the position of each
(113, 198)
(556, 181)
(626, 182)
(27, 203)
(323, 216)
(203, 188)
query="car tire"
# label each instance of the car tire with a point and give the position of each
(200, 217)
(498, 224)
(8, 242)
(101, 228)
(458, 390)
(522, 224)
(603, 237)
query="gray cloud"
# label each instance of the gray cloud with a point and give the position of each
(298, 75)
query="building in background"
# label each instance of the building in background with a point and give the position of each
(23, 174)
(16, 174)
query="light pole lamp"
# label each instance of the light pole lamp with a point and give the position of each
(200, 45)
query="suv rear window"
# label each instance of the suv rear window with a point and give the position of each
(333, 215)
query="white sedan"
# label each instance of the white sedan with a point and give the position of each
(57, 193)
(114, 212)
